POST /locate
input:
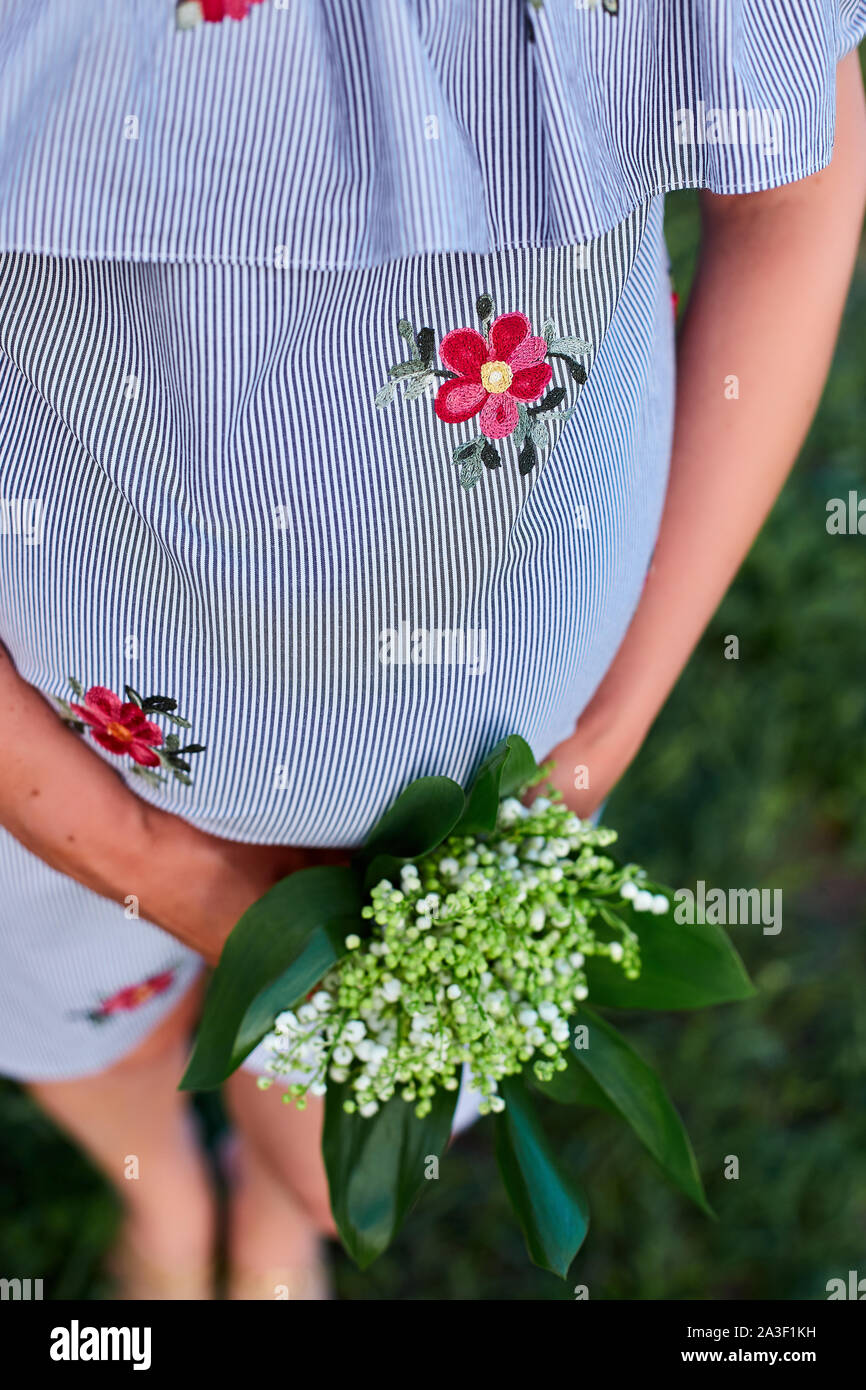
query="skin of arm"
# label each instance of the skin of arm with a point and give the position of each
(771, 283)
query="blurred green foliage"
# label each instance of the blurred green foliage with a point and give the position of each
(753, 776)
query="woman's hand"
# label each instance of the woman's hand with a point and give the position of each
(589, 763)
(67, 806)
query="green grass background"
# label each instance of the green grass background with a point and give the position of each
(754, 775)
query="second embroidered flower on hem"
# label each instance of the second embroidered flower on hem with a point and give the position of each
(494, 375)
(124, 729)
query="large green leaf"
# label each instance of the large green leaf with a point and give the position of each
(507, 769)
(323, 949)
(635, 1092)
(548, 1202)
(423, 815)
(296, 932)
(682, 966)
(376, 1166)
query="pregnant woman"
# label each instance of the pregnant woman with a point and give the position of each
(339, 438)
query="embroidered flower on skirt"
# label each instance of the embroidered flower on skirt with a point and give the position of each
(609, 6)
(189, 13)
(124, 729)
(496, 375)
(132, 996)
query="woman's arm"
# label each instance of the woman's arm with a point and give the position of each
(771, 283)
(68, 806)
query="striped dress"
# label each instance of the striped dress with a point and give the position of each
(336, 387)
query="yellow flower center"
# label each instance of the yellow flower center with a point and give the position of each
(119, 731)
(496, 377)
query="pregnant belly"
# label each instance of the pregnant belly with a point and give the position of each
(230, 527)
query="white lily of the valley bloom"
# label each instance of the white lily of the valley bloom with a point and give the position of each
(476, 941)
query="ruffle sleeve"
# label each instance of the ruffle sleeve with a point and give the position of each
(336, 133)
(734, 96)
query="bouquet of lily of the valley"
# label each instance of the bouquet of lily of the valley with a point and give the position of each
(471, 933)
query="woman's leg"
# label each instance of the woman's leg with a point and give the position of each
(139, 1130)
(279, 1204)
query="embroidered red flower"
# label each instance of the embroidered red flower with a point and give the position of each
(133, 996)
(189, 13)
(121, 728)
(217, 10)
(493, 374)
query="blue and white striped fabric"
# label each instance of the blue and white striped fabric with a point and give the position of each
(199, 494)
(332, 133)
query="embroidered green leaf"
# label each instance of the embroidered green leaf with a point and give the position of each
(159, 704)
(75, 725)
(484, 307)
(418, 385)
(181, 723)
(191, 747)
(548, 331)
(426, 345)
(540, 434)
(489, 456)
(527, 458)
(463, 451)
(401, 369)
(172, 743)
(77, 687)
(574, 347)
(148, 774)
(182, 777)
(521, 427)
(471, 470)
(550, 401)
(385, 395)
(576, 371)
(133, 696)
(407, 333)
